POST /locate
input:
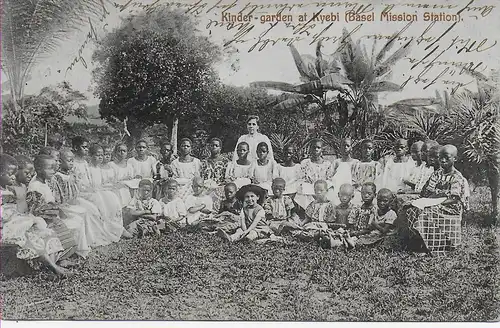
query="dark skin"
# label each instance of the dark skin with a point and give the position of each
(367, 152)
(288, 153)
(447, 159)
(262, 158)
(367, 195)
(346, 150)
(145, 193)
(185, 152)
(316, 152)
(215, 151)
(383, 201)
(242, 152)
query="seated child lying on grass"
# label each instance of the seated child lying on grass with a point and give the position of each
(199, 205)
(145, 211)
(279, 208)
(252, 217)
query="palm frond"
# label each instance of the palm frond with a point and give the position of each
(384, 86)
(280, 86)
(291, 103)
(305, 65)
(385, 66)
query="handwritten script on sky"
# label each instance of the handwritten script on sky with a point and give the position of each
(447, 38)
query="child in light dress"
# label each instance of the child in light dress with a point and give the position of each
(199, 205)
(253, 224)
(240, 171)
(143, 164)
(279, 208)
(81, 167)
(264, 168)
(24, 174)
(185, 168)
(416, 171)
(342, 168)
(313, 168)
(396, 167)
(365, 170)
(174, 209)
(289, 171)
(145, 211)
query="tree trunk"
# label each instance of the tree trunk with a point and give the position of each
(494, 181)
(173, 139)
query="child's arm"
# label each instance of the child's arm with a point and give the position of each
(260, 215)
(194, 209)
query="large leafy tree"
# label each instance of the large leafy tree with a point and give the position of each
(153, 69)
(42, 114)
(33, 29)
(357, 75)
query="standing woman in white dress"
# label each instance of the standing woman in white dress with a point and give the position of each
(144, 165)
(253, 138)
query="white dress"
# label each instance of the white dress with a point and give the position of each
(184, 174)
(291, 175)
(174, 209)
(123, 173)
(192, 201)
(342, 175)
(146, 169)
(239, 174)
(253, 141)
(395, 172)
(312, 172)
(263, 174)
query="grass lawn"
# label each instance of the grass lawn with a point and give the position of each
(187, 276)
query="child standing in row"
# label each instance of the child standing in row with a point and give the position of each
(289, 171)
(143, 164)
(396, 167)
(365, 170)
(342, 168)
(264, 168)
(185, 168)
(240, 171)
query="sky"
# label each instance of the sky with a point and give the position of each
(477, 30)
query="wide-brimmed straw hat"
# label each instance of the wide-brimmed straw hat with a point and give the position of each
(260, 192)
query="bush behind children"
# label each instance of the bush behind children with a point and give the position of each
(93, 195)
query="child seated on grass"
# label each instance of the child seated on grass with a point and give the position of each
(173, 208)
(359, 219)
(199, 205)
(229, 210)
(145, 212)
(253, 223)
(279, 208)
(318, 213)
(342, 210)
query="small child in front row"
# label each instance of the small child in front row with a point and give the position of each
(279, 208)
(252, 218)
(342, 210)
(174, 210)
(146, 211)
(199, 205)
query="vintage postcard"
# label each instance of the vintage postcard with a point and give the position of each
(250, 160)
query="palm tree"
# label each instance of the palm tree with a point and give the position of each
(357, 76)
(34, 29)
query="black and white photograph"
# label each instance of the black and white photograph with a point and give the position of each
(250, 160)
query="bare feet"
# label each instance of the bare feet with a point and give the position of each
(67, 264)
(126, 234)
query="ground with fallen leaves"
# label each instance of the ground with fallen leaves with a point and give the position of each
(195, 276)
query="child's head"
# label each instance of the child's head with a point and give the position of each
(426, 147)
(367, 149)
(252, 124)
(108, 153)
(448, 156)
(80, 146)
(242, 150)
(320, 190)
(368, 192)
(141, 147)
(288, 153)
(96, 153)
(145, 189)
(416, 151)
(170, 188)
(346, 193)
(185, 146)
(45, 167)
(278, 186)
(433, 156)
(215, 146)
(166, 150)
(262, 150)
(230, 190)
(400, 147)
(384, 198)
(316, 148)
(251, 195)
(121, 151)
(198, 186)
(67, 158)
(346, 147)
(8, 169)
(25, 169)
(54, 153)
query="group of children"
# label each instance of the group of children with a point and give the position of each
(70, 200)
